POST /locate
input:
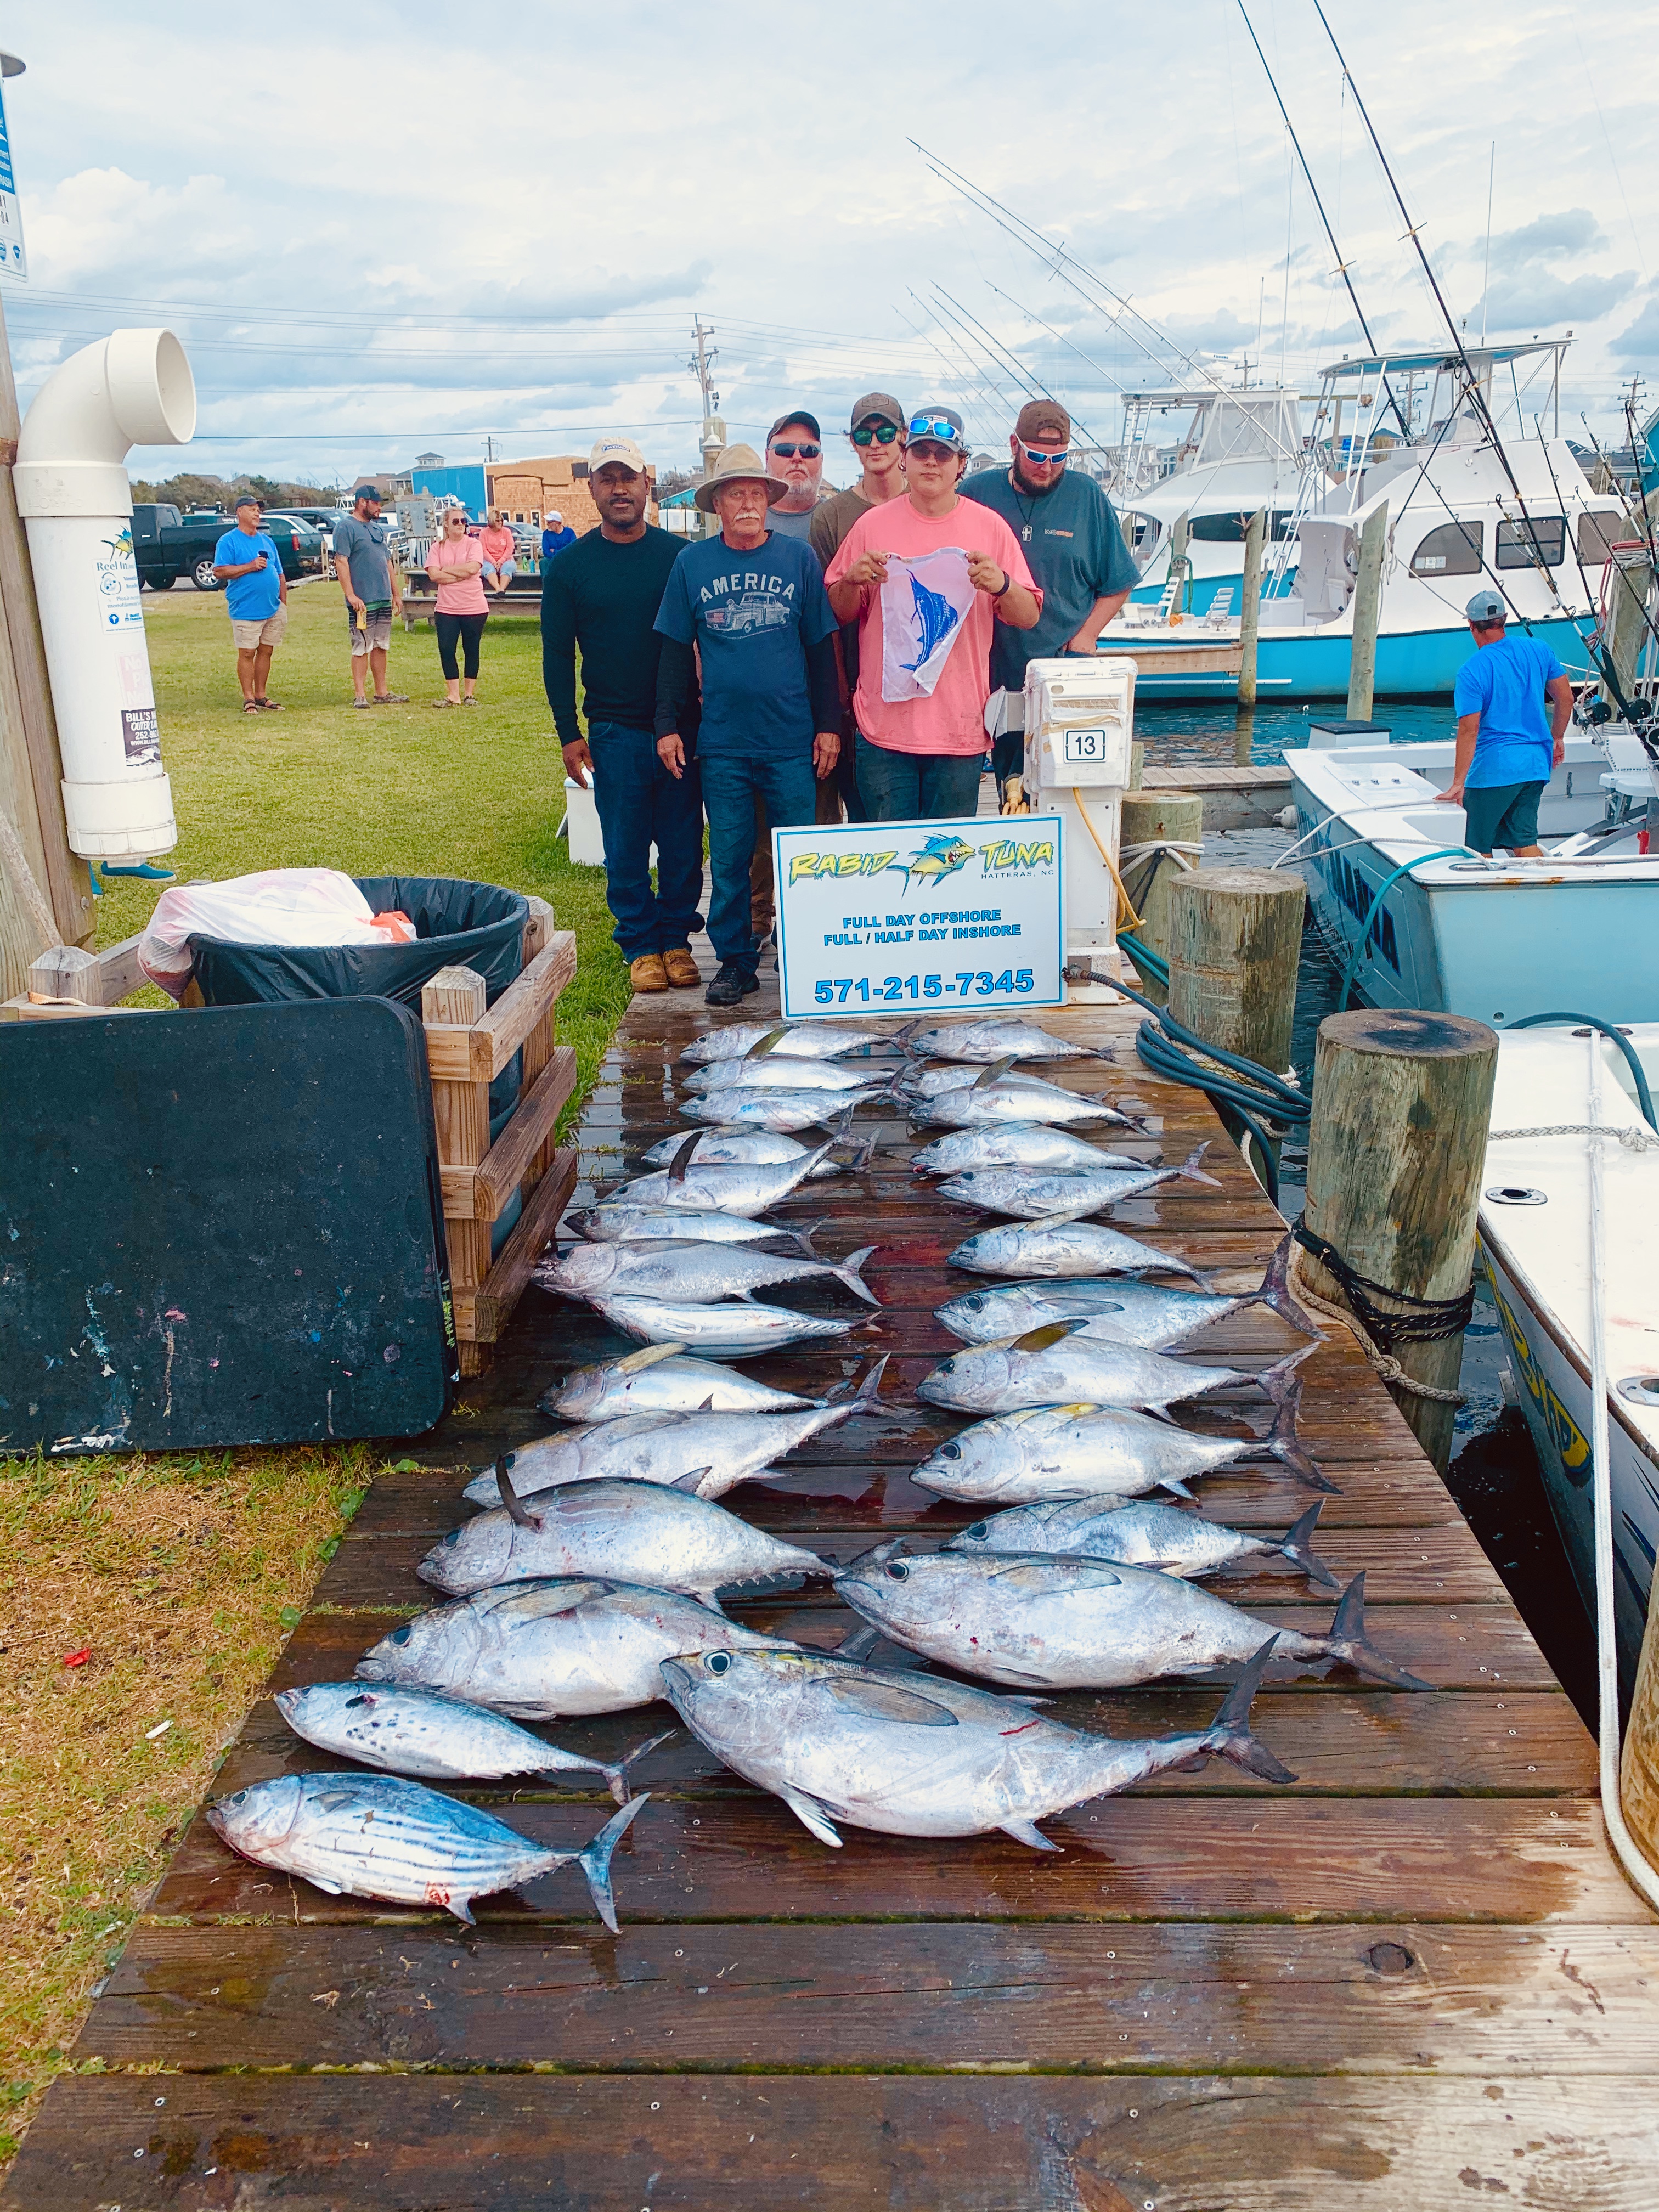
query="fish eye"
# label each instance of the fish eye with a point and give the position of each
(719, 1663)
(979, 1528)
(951, 1451)
(453, 1537)
(353, 1702)
(402, 1635)
(899, 1570)
(976, 1305)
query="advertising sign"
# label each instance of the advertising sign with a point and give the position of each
(12, 259)
(905, 915)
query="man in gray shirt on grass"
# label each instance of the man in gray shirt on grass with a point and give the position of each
(369, 577)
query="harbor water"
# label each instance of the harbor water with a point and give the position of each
(1494, 1474)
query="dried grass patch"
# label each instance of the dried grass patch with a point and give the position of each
(184, 1576)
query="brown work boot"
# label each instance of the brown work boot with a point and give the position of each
(646, 973)
(681, 968)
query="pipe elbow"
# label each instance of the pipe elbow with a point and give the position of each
(133, 388)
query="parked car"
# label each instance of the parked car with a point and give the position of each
(167, 544)
(307, 537)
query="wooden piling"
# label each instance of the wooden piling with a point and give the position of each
(1249, 610)
(1158, 817)
(1178, 566)
(1638, 1767)
(1401, 1104)
(1367, 612)
(1234, 938)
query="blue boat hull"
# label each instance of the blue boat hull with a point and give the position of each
(1419, 664)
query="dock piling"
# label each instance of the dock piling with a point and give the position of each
(1367, 613)
(1249, 611)
(1153, 820)
(1234, 938)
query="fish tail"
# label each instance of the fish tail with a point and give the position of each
(1296, 1546)
(1275, 1289)
(617, 1774)
(850, 1271)
(1190, 1169)
(1229, 1734)
(804, 1237)
(1348, 1642)
(595, 1861)
(1284, 1388)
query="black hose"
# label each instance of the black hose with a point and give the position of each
(1644, 1096)
(1250, 1088)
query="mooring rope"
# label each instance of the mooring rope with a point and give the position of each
(1419, 1320)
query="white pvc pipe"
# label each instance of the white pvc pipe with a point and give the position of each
(133, 387)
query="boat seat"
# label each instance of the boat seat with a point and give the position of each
(1221, 605)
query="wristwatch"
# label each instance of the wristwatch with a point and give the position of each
(1003, 586)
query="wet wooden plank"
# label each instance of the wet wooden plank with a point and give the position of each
(700, 2142)
(1238, 1858)
(1371, 2000)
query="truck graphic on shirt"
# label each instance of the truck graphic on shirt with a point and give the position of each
(754, 610)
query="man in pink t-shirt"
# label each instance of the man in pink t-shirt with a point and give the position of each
(924, 577)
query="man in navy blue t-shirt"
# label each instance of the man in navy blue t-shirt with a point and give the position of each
(753, 602)
(1505, 751)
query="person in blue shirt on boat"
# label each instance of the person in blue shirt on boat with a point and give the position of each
(1505, 749)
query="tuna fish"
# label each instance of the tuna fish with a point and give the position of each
(826, 1075)
(1037, 1194)
(1014, 1145)
(1063, 1245)
(779, 1110)
(728, 1147)
(627, 1532)
(619, 1221)
(694, 1272)
(968, 1106)
(911, 1755)
(656, 1380)
(371, 1835)
(1148, 1314)
(1082, 1451)
(1002, 1038)
(553, 1649)
(1058, 1366)
(435, 1738)
(1059, 1624)
(733, 1330)
(747, 1190)
(805, 1041)
(1144, 1535)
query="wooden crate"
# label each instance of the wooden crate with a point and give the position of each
(467, 1047)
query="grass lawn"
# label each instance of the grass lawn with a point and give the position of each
(181, 1577)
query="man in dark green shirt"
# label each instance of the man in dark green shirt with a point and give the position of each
(601, 596)
(1074, 546)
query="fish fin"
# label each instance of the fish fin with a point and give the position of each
(334, 1889)
(1176, 1486)
(1024, 1698)
(878, 1697)
(616, 1775)
(1071, 1213)
(1229, 1733)
(995, 1071)
(858, 1643)
(711, 1599)
(1275, 1289)
(1027, 1831)
(804, 1237)
(462, 1909)
(1039, 1339)
(763, 1046)
(1296, 1548)
(681, 1159)
(595, 1860)
(691, 1481)
(708, 1404)
(1283, 1387)
(811, 1815)
(850, 1272)
(1190, 1169)
(647, 1356)
(878, 1555)
(1348, 1642)
(516, 1510)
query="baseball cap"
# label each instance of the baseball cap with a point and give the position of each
(795, 415)
(1038, 416)
(941, 423)
(245, 499)
(1487, 606)
(621, 453)
(367, 491)
(881, 403)
(553, 515)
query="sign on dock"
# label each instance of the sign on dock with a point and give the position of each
(901, 914)
(13, 257)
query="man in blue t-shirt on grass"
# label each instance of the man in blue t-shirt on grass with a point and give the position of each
(752, 603)
(1504, 750)
(247, 562)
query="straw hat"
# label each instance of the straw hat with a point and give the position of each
(739, 464)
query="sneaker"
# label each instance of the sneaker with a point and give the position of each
(646, 973)
(731, 986)
(681, 968)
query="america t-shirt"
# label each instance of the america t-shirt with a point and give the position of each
(752, 617)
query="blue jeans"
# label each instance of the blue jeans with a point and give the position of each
(917, 787)
(640, 805)
(731, 782)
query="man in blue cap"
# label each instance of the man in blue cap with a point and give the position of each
(1505, 750)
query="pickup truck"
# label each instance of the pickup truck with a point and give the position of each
(166, 545)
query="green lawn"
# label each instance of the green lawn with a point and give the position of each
(180, 1577)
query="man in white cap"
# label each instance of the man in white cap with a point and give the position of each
(601, 595)
(1505, 751)
(557, 534)
(751, 602)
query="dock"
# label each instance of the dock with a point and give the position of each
(1415, 1978)
(1245, 795)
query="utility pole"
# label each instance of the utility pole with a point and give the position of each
(712, 440)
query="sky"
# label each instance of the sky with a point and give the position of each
(383, 230)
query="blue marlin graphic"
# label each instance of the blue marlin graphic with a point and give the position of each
(933, 862)
(935, 618)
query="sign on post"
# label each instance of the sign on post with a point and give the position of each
(12, 256)
(903, 914)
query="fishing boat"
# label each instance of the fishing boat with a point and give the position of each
(1409, 435)
(1535, 1247)
(1417, 920)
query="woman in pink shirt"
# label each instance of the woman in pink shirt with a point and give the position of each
(500, 546)
(924, 577)
(455, 564)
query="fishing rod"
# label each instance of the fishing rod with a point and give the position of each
(1342, 268)
(1059, 336)
(986, 370)
(997, 346)
(975, 382)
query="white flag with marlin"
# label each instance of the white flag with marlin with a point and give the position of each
(924, 605)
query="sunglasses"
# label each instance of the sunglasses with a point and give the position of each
(807, 453)
(883, 434)
(1041, 457)
(935, 426)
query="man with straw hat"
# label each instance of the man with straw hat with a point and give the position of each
(751, 602)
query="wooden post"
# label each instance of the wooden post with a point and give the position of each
(538, 1045)
(461, 1110)
(64, 973)
(1401, 1104)
(1367, 612)
(1158, 817)
(1234, 938)
(1639, 1766)
(1249, 608)
(1136, 763)
(1178, 538)
(1631, 587)
(28, 925)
